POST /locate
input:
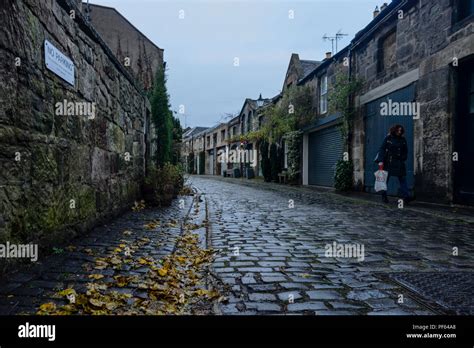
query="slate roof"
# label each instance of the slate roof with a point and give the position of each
(308, 66)
(194, 131)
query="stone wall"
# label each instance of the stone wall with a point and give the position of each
(72, 171)
(427, 41)
(126, 41)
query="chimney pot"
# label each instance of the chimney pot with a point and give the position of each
(376, 11)
(328, 55)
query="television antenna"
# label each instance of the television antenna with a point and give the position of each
(334, 39)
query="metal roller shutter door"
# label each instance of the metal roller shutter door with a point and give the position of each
(376, 128)
(324, 150)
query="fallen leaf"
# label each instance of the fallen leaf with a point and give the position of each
(96, 276)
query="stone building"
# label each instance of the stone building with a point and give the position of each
(191, 146)
(323, 143)
(130, 46)
(73, 125)
(418, 56)
(419, 52)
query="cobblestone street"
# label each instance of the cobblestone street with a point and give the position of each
(272, 257)
(270, 243)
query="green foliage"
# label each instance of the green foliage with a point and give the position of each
(162, 118)
(202, 162)
(265, 162)
(177, 132)
(294, 111)
(293, 141)
(343, 178)
(163, 184)
(191, 163)
(275, 162)
(339, 100)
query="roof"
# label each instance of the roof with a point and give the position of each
(388, 11)
(193, 131)
(382, 15)
(308, 66)
(323, 65)
(253, 103)
(126, 20)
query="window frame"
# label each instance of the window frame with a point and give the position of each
(323, 94)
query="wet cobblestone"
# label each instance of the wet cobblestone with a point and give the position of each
(267, 248)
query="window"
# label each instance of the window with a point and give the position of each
(323, 98)
(208, 141)
(222, 135)
(387, 51)
(465, 8)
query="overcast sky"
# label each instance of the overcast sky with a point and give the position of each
(200, 49)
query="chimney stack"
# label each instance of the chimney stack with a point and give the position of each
(328, 55)
(383, 7)
(376, 11)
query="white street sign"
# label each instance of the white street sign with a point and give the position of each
(58, 63)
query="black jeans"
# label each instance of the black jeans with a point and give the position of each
(403, 187)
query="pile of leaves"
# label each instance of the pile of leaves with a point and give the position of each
(175, 284)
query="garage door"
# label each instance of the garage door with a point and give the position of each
(376, 128)
(324, 150)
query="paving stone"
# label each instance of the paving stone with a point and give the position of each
(248, 279)
(255, 297)
(306, 306)
(294, 286)
(263, 306)
(324, 295)
(285, 296)
(362, 295)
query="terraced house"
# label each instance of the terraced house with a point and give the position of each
(416, 57)
(419, 51)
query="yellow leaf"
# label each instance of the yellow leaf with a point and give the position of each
(96, 276)
(181, 259)
(162, 272)
(96, 302)
(48, 307)
(67, 292)
(111, 306)
(143, 261)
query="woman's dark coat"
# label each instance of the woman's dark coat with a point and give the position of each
(393, 153)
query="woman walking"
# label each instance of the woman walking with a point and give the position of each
(392, 155)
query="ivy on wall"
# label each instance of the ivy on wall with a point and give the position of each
(293, 143)
(340, 100)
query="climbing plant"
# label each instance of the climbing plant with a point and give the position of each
(294, 111)
(162, 118)
(293, 142)
(340, 100)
